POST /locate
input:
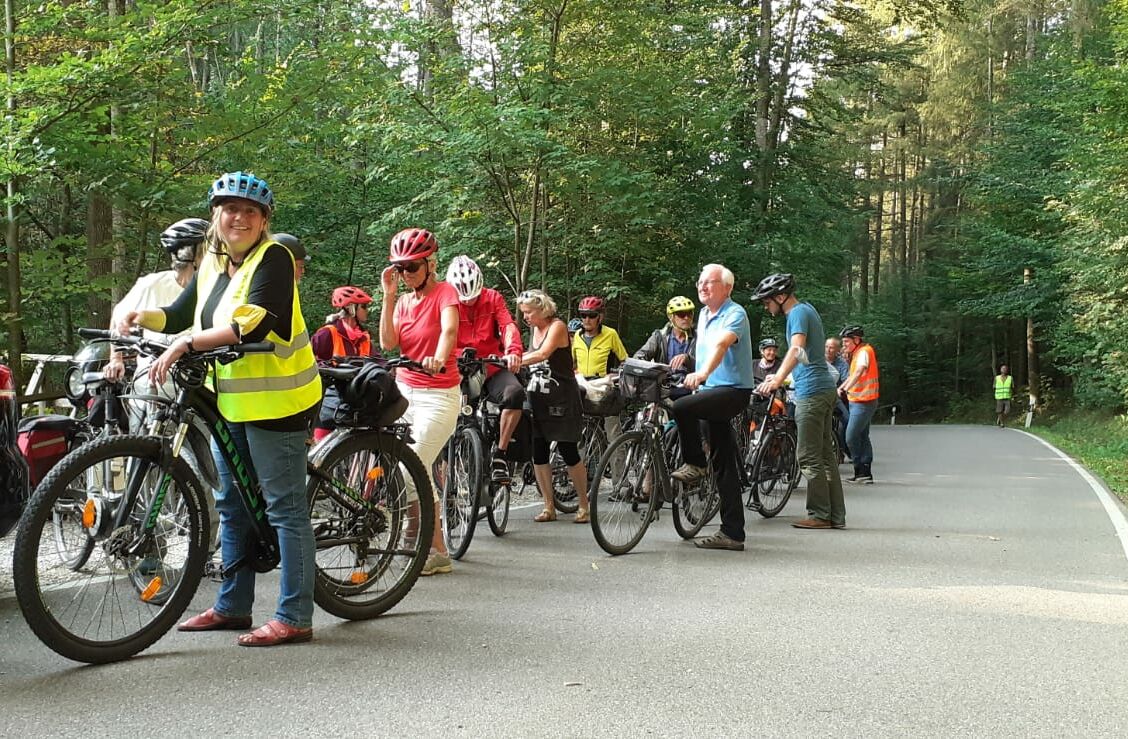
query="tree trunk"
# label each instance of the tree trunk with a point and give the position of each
(1033, 380)
(13, 211)
(99, 227)
(878, 232)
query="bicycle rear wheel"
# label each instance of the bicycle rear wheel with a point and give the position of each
(696, 504)
(623, 503)
(372, 509)
(461, 472)
(119, 602)
(775, 472)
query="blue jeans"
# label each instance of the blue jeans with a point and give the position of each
(858, 432)
(279, 460)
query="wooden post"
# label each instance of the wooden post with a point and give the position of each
(1032, 379)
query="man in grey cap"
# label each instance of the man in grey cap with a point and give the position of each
(294, 244)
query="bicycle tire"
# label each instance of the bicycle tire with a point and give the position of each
(462, 489)
(497, 508)
(695, 506)
(775, 464)
(362, 509)
(621, 507)
(564, 496)
(150, 590)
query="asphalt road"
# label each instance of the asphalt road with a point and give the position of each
(979, 589)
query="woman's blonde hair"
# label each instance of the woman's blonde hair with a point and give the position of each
(540, 301)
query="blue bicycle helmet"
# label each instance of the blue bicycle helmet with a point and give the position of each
(575, 325)
(242, 185)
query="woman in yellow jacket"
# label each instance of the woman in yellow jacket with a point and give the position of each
(245, 291)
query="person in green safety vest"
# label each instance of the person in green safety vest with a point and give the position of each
(1004, 391)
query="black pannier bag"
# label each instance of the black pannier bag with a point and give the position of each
(371, 398)
(641, 381)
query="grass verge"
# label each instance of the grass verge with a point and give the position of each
(1098, 441)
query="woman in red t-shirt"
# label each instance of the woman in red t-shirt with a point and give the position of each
(423, 325)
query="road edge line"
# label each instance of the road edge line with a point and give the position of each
(1111, 505)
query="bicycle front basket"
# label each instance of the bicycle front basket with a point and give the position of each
(641, 381)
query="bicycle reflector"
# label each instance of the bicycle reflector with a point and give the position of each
(151, 589)
(375, 473)
(358, 577)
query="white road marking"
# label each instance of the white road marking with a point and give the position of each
(1112, 508)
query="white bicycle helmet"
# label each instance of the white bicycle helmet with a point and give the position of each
(463, 274)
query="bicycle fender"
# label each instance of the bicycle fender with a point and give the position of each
(201, 451)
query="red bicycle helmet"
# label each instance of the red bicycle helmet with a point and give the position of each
(411, 244)
(349, 295)
(592, 303)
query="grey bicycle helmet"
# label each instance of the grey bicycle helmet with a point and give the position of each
(772, 285)
(854, 332)
(765, 343)
(293, 243)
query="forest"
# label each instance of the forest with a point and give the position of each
(948, 173)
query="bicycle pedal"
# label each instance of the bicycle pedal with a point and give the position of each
(213, 571)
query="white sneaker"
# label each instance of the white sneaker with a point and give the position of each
(438, 563)
(689, 473)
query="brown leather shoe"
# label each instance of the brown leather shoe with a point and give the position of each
(209, 620)
(813, 523)
(274, 632)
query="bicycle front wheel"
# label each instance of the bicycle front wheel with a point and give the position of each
(372, 510)
(497, 507)
(134, 585)
(775, 471)
(624, 502)
(460, 469)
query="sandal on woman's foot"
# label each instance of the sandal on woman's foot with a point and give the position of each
(209, 620)
(545, 516)
(583, 517)
(273, 633)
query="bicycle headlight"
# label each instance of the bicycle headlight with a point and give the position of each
(73, 386)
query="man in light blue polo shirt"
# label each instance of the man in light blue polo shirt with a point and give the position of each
(815, 398)
(723, 383)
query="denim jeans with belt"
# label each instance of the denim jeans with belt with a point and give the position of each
(825, 500)
(279, 460)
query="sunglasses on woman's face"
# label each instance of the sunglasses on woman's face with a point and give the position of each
(589, 315)
(409, 267)
(684, 314)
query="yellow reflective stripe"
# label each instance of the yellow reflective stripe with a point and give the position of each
(267, 384)
(282, 351)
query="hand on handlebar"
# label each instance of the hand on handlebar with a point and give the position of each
(158, 372)
(695, 380)
(114, 369)
(513, 362)
(678, 362)
(124, 326)
(431, 365)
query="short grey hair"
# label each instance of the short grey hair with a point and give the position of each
(726, 274)
(539, 301)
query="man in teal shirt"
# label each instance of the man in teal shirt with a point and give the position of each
(815, 398)
(723, 383)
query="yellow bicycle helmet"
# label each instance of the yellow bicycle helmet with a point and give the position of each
(677, 304)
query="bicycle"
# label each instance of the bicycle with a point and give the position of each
(625, 501)
(466, 482)
(144, 510)
(769, 469)
(593, 445)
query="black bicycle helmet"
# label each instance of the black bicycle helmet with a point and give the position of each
(854, 332)
(182, 238)
(772, 285)
(765, 343)
(293, 243)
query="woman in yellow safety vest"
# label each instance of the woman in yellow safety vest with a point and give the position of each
(1004, 391)
(245, 291)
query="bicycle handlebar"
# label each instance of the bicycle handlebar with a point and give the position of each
(222, 354)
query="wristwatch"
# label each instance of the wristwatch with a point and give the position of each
(188, 343)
